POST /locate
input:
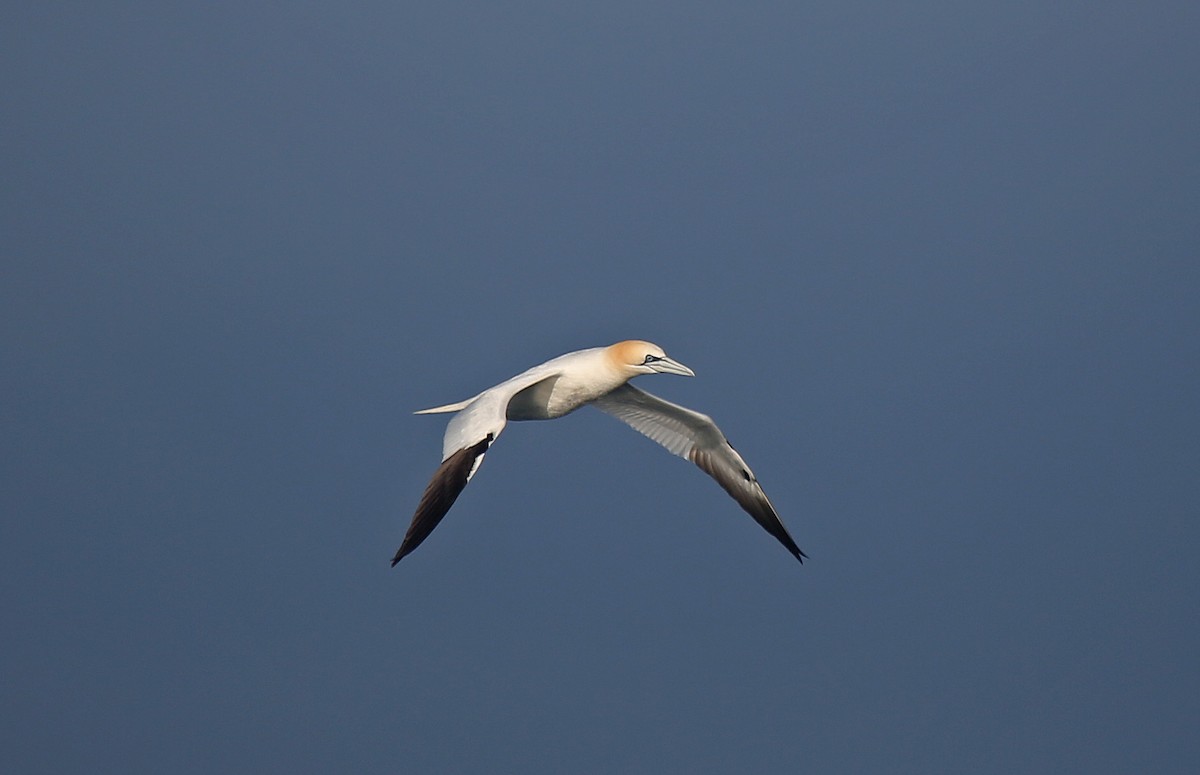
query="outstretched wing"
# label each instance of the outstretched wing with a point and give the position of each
(695, 437)
(467, 438)
(448, 481)
(470, 432)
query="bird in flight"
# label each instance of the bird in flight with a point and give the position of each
(598, 376)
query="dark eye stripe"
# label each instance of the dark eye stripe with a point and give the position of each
(651, 359)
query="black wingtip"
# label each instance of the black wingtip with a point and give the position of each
(790, 545)
(443, 489)
(402, 552)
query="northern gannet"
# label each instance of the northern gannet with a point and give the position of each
(598, 376)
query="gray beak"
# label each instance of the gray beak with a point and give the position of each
(672, 366)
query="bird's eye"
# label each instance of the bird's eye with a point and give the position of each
(651, 359)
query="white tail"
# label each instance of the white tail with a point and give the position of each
(447, 408)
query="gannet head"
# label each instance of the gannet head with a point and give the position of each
(634, 357)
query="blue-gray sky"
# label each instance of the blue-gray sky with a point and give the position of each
(936, 265)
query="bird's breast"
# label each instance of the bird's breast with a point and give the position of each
(557, 395)
(570, 394)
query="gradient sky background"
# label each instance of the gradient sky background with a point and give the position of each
(936, 265)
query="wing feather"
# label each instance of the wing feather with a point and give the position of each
(478, 422)
(447, 484)
(695, 437)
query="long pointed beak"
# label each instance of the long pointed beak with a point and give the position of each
(672, 366)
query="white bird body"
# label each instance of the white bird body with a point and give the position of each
(596, 376)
